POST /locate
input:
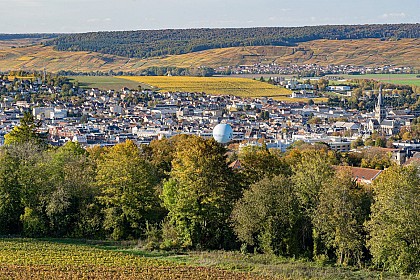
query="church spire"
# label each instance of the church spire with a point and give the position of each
(380, 112)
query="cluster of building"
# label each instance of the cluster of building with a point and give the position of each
(107, 118)
(315, 69)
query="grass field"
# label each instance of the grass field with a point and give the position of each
(398, 79)
(106, 82)
(77, 259)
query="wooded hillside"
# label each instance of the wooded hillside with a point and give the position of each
(151, 43)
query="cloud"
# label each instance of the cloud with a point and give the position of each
(94, 20)
(394, 15)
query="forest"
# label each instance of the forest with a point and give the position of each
(152, 43)
(181, 194)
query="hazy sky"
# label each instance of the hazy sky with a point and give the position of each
(29, 16)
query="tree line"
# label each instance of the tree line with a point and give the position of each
(152, 43)
(180, 193)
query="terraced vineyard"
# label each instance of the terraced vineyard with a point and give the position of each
(32, 259)
(366, 52)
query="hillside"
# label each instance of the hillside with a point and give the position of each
(404, 52)
(153, 43)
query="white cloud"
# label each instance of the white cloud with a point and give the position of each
(394, 15)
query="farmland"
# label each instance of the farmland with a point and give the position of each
(217, 86)
(26, 258)
(398, 79)
(105, 82)
(77, 259)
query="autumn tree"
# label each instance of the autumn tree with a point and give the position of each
(127, 181)
(199, 195)
(259, 162)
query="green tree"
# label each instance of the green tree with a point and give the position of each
(394, 228)
(356, 143)
(10, 194)
(25, 132)
(339, 217)
(199, 195)
(266, 216)
(56, 186)
(311, 170)
(127, 181)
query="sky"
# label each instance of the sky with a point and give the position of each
(70, 16)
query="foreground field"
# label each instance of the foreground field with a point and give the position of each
(31, 259)
(76, 259)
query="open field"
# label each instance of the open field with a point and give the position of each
(105, 82)
(77, 259)
(32, 259)
(398, 79)
(213, 85)
(367, 52)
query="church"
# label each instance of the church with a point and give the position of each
(381, 123)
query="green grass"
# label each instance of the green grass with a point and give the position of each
(106, 82)
(48, 258)
(398, 79)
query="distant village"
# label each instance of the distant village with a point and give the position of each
(312, 69)
(108, 117)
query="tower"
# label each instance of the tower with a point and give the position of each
(380, 112)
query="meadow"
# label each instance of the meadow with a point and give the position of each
(105, 82)
(81, 259)
(398, 79)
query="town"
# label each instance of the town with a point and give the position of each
(97, 117)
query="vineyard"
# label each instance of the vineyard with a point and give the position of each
(78, 259)
(32, 259)
(217, 86)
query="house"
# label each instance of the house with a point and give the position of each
(363, 175)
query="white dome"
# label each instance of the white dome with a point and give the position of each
(222, 133)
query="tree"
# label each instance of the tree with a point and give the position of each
(10, 195)
(259, 162)
(56, 186)
(266, 216)
(394, 228)
(311, 170)
(25, 132)
(356, 143)
(128, 196)
(339, 217)
(199, 194)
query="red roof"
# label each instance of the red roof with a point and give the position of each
(366, 175)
